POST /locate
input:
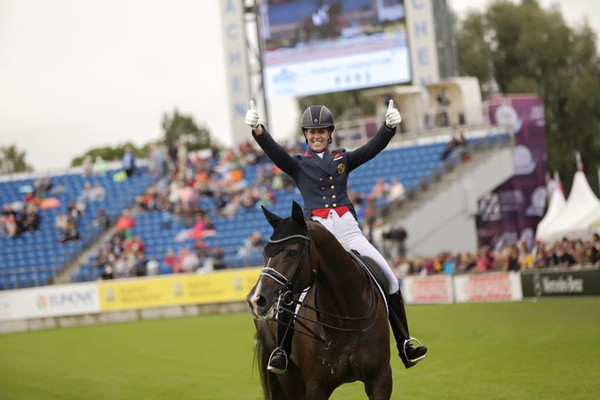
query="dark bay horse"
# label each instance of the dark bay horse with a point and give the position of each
(341, 325)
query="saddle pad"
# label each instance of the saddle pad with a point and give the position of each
(374, 272)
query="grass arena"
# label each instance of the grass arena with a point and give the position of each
(532, 349)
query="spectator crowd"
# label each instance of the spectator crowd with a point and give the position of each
(184, 179)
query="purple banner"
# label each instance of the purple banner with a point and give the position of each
(512, 210)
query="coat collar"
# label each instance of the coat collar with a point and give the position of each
(311, 154)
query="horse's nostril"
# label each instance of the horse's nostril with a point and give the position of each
(261, 302)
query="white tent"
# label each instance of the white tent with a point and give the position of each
(577, 215)
(557, 204)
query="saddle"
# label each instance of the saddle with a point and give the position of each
(373, 270)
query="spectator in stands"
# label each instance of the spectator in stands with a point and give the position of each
(485, 260)
(563, 256)
(466, 262)
(120, 265)
(254, 242)
(525, 256)
(87, 166)
(152, 267)
(595, 250)
(11, 224)
(321, 175)
(201, 249)
(380, 190)
(449, 148)
(102, 220)
(30, 218)
(60, 222)
(172, 262)
(108, 269)
(125, 222)
(189, 260)
(220, 202)
(85, 194)
(116, 245)
(156, 161)
(71, 231)
(511, 259)
(396, 191)
(44, 185)
(97, 193)
(100, 166)
(375, 235)
(218, 258)
(75, 210)
(129, 161)
(458, 144)
(139, 266)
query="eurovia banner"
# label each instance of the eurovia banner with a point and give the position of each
(218, 287)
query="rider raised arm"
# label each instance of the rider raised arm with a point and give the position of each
(321, 176)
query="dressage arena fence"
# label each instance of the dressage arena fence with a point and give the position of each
(225, 291)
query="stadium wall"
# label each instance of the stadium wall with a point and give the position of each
(182, 295)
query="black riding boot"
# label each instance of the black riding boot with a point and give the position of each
(278, 361)
(409, 354)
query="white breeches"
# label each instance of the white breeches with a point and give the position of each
(346, 230)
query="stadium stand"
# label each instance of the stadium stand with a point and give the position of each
(411, 165)
(34, 258)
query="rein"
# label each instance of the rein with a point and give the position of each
(286, 297)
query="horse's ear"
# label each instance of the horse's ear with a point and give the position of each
(297, 214)
(272, 218)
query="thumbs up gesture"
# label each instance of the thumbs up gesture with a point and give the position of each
(392, 116)
(252, 116)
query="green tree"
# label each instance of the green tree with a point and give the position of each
(13, 160)
(183, 129)
(522, 48)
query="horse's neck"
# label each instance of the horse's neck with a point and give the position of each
(338, 274)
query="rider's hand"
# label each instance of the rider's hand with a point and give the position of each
(392, 116)
(252, 116)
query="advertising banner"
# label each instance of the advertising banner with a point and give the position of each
(49, 301)
(218, 287)
(584, 282)
(427, 289)
(488, 287)
(512, 210)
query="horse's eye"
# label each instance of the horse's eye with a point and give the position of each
(291, 253)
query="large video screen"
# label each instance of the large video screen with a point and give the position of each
(321, 46)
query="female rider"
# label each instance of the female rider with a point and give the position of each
(321, 175)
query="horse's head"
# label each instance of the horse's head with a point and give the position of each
(286, 272)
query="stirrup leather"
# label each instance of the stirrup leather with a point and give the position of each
(276, 370)
(407, 341)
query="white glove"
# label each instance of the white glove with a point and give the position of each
(392, 116)
(252, 116)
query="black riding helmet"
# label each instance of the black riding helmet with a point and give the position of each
(317, 117)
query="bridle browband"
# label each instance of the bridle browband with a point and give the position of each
(287, 284)
(288, 291)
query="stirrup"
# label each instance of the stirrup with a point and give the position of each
(277, 369)
(412, 360)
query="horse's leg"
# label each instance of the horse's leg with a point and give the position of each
(379, 386)
(316, 391)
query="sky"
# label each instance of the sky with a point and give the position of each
(81, 74)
